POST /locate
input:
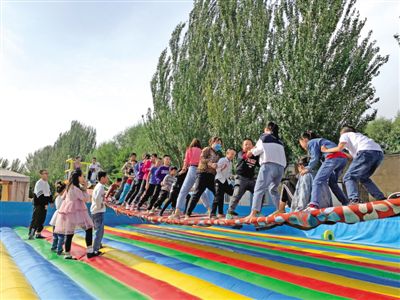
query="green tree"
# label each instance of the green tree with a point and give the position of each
(239, 64)
(15, 166)
(78, 140)
(386, 132)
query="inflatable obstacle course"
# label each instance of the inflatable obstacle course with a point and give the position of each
(179, 262)
(303, 220)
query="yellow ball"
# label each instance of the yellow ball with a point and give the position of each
(328, 235)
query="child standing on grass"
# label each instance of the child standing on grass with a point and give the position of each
(166, 186)
(58, 239)
(222, 186)
(73, 214)
(98, 209)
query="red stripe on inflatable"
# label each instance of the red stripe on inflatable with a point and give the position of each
(322, 256)
(154, 288)
(304, 281)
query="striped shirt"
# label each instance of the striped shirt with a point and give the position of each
(167, 183)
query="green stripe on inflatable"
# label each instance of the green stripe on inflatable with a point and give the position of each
(95, 282)
(301, 243)
(350, 267)
(277, 285)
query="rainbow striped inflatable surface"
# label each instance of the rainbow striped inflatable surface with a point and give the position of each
(179, 262)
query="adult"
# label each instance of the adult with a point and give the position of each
(273, 162)
(206, 171)
(41, 199)
(367, 156)
(190, 165)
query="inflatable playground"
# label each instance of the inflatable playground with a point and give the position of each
(334, 253)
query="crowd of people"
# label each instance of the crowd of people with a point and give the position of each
(152, 182)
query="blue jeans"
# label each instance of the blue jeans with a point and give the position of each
(328, 174)
(98, 220)
(361, 169)
(188, 183)
(268, 179)
(58, 242)
(125, 192)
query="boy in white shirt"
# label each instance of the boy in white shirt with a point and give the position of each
(222, 186)
(367, 156)
(94, 168)
(98, 209)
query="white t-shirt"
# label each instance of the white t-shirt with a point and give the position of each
(58, 201)
(98, 195)
(224, 169)
(42, 188)
(356, 142)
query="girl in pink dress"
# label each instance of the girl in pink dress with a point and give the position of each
(73, 214)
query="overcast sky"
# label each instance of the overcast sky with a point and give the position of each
(92, 61)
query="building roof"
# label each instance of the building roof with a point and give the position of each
(14, 176)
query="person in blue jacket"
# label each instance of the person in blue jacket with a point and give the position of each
(328, 174)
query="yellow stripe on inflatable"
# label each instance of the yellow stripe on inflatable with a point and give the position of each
(13, 284)
(301, 271)
(190, 284)
(307, 240)
(306, 250)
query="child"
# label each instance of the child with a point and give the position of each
(367, 156)
(146, 167)
(135, 188)
(41, 199)
(129, 182)
(245, 176)
(175, 191)
(205, 178)
(77, 163)
(97, 209)
(222, 186)
(113, 188)
(151, 183)
(166, 186)
(94, 168)
(58, 239)
(329, 172)
(121, 189)
(73, 214)
(160, 175)
(273, 162)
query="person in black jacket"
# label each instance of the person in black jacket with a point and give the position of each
(245, 179)
(41, 199)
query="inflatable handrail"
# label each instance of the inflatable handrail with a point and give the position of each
(303, 220)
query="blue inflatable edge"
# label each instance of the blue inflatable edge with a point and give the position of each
(39, 272)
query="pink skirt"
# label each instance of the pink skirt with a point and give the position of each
(71, 216)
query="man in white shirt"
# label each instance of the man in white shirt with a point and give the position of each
(222, 186)
(97, 209)
(367, 156)
(41, 199)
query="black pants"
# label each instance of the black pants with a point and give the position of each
(155, 195)
(173, 197)
(133, 191)
(38, 218)
(142, 189)
(203, 181)
(88, 239)
(147, 194)
(220, 190)
(160, 200)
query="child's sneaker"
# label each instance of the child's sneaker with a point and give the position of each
(31, 235)
(233, 213)
(127, 206)
(39, 236)
(53, 249)
(354, 202)
(67, 255)
(229, 216)
(59, 253)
